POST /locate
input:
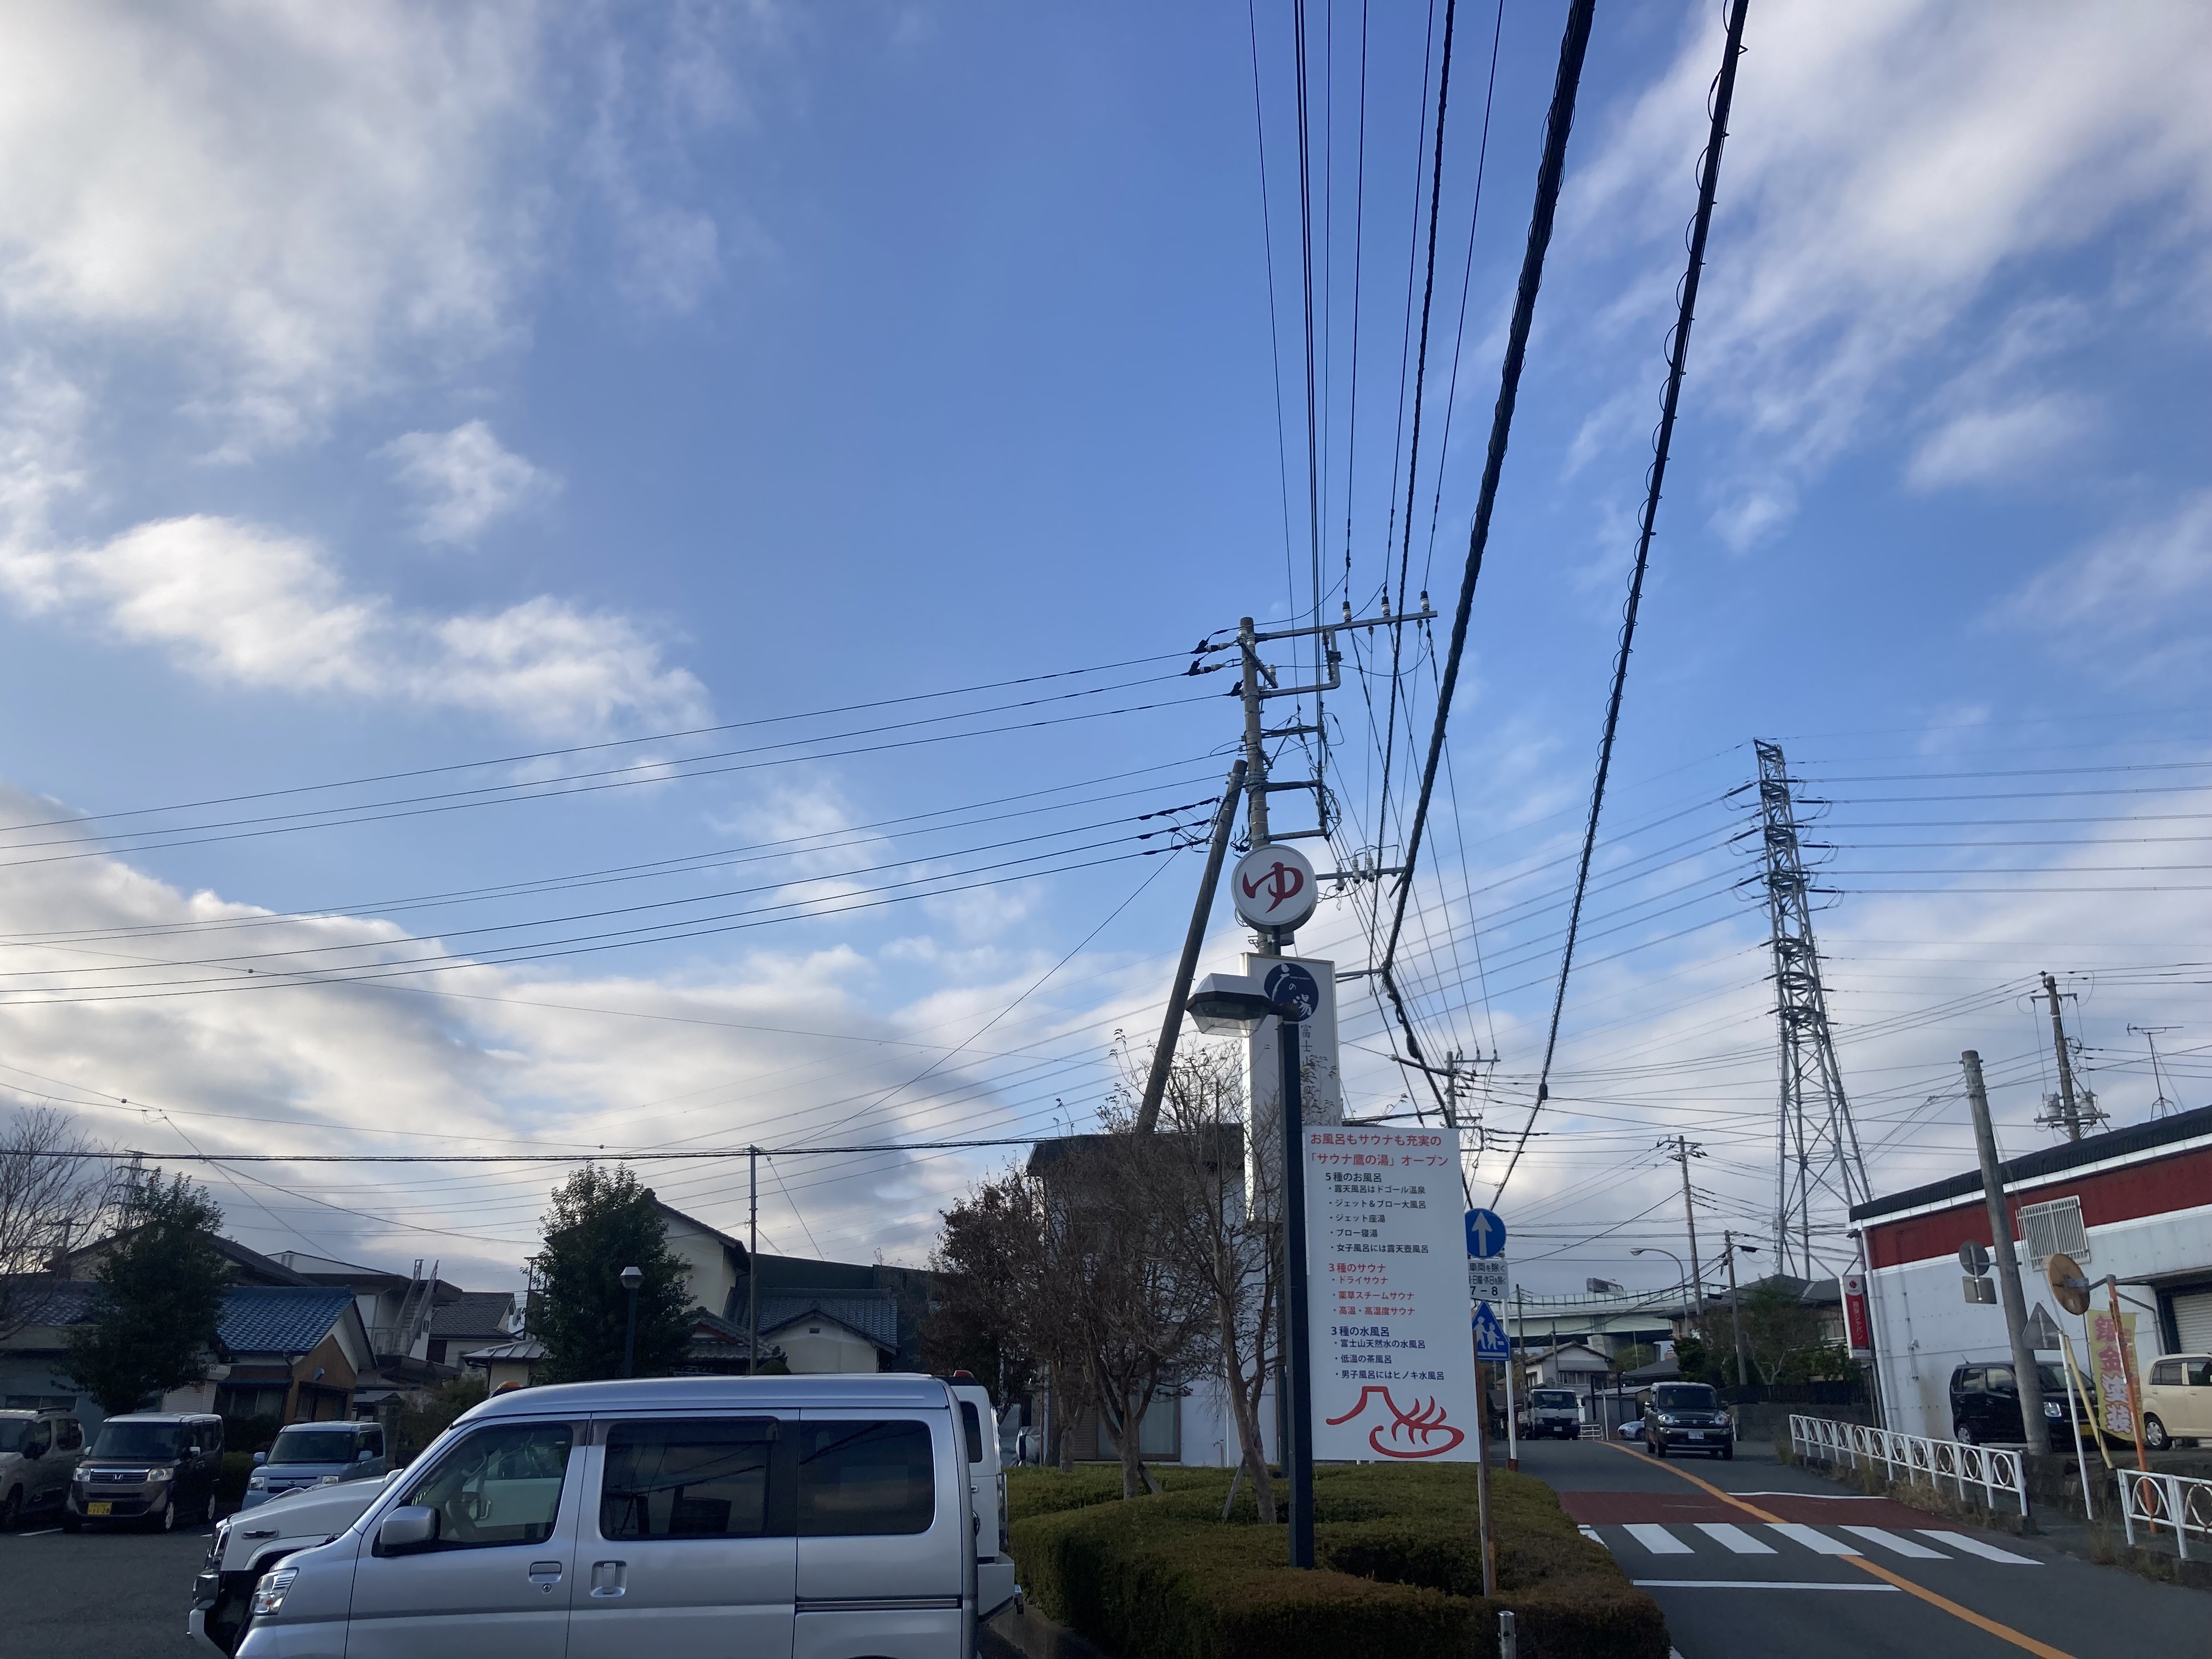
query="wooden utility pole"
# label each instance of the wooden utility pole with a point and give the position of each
(2070, 1110)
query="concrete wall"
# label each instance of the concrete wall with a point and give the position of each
(816, 1346)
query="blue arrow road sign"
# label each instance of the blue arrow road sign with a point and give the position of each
(1485, 1234)
(1489, 1333)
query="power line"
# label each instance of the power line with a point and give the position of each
(1724, 94)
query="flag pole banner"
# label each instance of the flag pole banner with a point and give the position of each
(2112, 1359)
(1393, 1359)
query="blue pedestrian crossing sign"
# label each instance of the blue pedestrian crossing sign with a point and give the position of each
(1485, 1234)
(1489, 1333)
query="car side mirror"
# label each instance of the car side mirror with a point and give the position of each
(410, 1527)
(259, 1458)
(366, 1456)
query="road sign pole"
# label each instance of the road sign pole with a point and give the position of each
(1298, 1456)
(1512, 1434)
(1482, 1483)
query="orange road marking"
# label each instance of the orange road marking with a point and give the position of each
(2004, 1632)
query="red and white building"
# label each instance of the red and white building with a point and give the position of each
(2134, 1202)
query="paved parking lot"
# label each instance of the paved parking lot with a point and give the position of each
(97, 1595)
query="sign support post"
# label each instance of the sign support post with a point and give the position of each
(1298, 1456)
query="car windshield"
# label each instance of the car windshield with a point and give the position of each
(1552, 1399)
(14, 1435)
(312, 1446)
(155, 1441)
(2054, 1383)
(1684, 1397)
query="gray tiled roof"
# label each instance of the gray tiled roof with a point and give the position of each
(874, 1314)
(273, 1319)
(476, 1313)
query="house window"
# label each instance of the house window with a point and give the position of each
(250, 1400)
(2054, 1229)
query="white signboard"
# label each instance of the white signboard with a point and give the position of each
(1485, 1281)
(1274, 886)
(1393, 1357)
(1287, 978)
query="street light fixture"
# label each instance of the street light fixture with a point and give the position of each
(631, 1279)
(1238, 1002)
(1682, 1275)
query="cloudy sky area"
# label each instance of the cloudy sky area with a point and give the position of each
(580, 578)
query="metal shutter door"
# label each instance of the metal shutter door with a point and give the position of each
(2192, 1322)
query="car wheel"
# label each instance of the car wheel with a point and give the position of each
(72, 1521)
(1964, 1434)
(167, 1519)
(1728, 1453)
(2154, 1434)
(11, 1509)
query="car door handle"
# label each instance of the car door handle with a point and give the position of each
(545, 1574)
(608, 1579)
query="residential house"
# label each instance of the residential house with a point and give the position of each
(503, 1366)
(473, 1320)
(287, 1354)
(397, 1309)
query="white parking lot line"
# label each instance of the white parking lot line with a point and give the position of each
(1590, 1532)
(1972, 1546)
(1732, 1537)
(1818, 1542)
(1896, 1545)
(1657, 1539)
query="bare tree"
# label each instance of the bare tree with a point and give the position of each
(52, 1183)
(1222, 1237)
(1145, 1322)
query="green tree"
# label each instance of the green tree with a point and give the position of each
(603, 1221)
(158, 1299)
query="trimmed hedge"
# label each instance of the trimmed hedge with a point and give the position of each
(1400, 1572)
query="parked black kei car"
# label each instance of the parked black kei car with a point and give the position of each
(149, 1469)
(1986, 1404)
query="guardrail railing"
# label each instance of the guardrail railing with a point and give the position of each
(1913, 1456)
(2179, 1501)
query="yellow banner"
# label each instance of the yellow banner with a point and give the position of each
(2112, 1362)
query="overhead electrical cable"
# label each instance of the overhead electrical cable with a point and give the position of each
(1701, 226)
(1558, 123)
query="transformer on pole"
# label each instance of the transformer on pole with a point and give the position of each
(1817, 1162)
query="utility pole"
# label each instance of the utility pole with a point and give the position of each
(2026, 1378)
(1735, 1310)
(1683, 1153)
(1156, 1084)
(752, 1261)
(2069, 1113)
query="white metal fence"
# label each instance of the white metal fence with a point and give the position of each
(2178, 1501)
(1912, 1457)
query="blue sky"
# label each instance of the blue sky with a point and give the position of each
(448, 384)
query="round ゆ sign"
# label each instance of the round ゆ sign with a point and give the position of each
(1274, 886)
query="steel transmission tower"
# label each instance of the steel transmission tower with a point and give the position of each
(1817, 1145)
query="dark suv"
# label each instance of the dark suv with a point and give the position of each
(153, 1468)
(1986, 1404)
(1686, 1417)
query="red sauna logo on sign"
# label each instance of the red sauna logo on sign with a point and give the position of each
(1281, 882)
(1419, 1432)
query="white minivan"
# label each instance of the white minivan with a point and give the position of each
(821, 1518)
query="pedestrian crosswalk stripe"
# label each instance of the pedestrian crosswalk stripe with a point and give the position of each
(1734, 1538)
(1972, 1546)
(1657, 1540)
(1590, 1532)
(1757, 1583)
(1896, 1545)
(1818, 1542)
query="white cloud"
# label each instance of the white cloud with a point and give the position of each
(1888, 162)
(465, 481)
(1989, 446)
(2135, 584)
(241, 604)
(286, 195)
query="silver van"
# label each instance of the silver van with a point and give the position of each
(248, 1544)
(822, 1517)
(38, 1452)
(316, 1455)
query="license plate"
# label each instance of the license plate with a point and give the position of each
(1697, 1434)
(100, 1508)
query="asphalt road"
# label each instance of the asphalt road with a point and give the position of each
(1749, 1557)
(96, 1596)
